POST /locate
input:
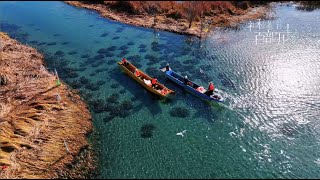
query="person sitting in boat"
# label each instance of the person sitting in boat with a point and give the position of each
(210, 89)
(186, 81)
(124, 61)
(137, 73)
(154, 82)
(167, 67)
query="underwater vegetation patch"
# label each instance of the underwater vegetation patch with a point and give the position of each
(72, 52)
(108, 54)
(116, 37)
(92, 86)
(51, 44)
(83, 80)
(152, 71)
(137, 65)
(124, 47)
(102, 51)
(111, 62)
(65, 43)
(112, 48)
(59, 53)
(142, 50)
(114, 86)
(121, 110)
(123, 53)
(134, 58)
(75, 84)
(142, 46)
(41, 43)
(100, 82)
(85, 56)
(33, 42)
(147, 130)
(101, 70)
(120, 29)
(130, 43)
(122, 91)
(104, 34)
(98, 57)
(113, 98)
(9, 27)
(179, 112)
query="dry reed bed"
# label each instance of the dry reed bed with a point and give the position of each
(39, 134)
(219, 14)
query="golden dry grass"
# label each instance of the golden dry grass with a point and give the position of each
(33, 124)
(181, 17)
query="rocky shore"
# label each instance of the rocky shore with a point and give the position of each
(43, 127)
(222, 17)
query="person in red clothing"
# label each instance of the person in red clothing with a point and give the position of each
(137, 73)
(154, 82)
(210, 89)
(124, 61)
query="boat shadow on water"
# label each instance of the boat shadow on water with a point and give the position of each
(147, 99)
(204, 109)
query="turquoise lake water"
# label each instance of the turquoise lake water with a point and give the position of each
(269, 126)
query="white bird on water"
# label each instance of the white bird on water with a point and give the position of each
(181, 133)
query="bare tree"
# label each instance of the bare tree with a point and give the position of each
(201, 17)
(153, 8)
(190, 11)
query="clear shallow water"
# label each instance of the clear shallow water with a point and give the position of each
(268, 128)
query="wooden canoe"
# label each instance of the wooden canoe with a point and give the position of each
(160, 89)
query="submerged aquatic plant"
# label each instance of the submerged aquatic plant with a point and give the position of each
(104, 34)
(112, 48)
(65, 43)
(124, 47)
(122, 91)
(179, 112)
(51, 44)
(134, 58)
(142, 46)
(113, 98)
(142, 50)
(130, 43)
(116, 37)
(85, 56)
(98, 57)
(113, 86)
(72, 52)
(102, 51)
(59, 53)
(147, 130)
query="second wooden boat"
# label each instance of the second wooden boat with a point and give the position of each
(145, 80)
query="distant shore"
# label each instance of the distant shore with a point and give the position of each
(224, 19)
(43, 127)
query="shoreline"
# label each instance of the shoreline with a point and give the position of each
(177, 26)
(42, 136)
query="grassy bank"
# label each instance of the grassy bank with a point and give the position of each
(184, 17)
(43, 127)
